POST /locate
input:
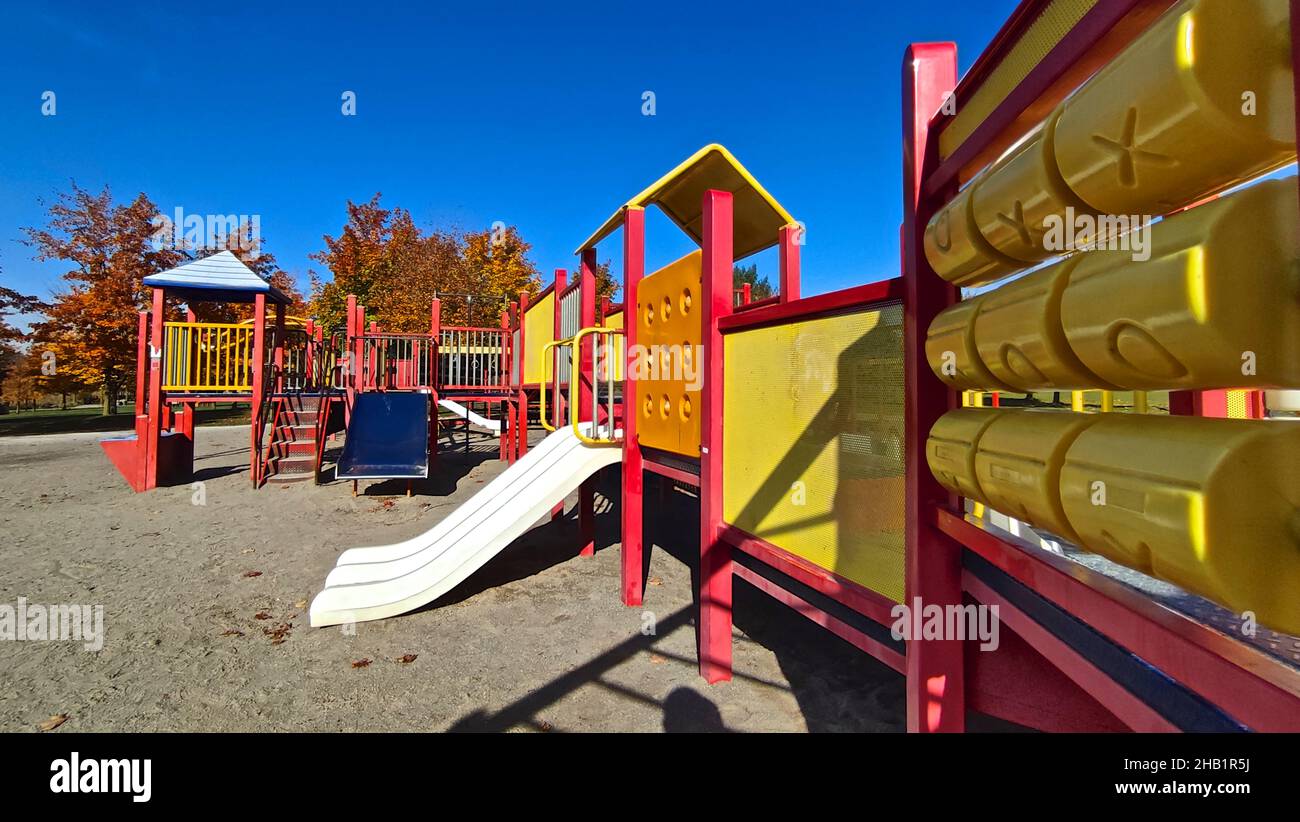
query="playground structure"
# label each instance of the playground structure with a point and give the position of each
(283, 369)
(857, 452)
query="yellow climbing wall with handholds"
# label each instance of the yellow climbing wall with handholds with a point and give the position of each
(1214, 304)
(1212, 505)
(669, 362)
(1202, 101)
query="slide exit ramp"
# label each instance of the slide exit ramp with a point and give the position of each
(387, 438)
(476, 419)
(384, 581)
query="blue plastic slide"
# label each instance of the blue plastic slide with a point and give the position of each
(388, 437)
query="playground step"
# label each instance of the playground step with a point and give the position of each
(293, 448)
(300, 417)
(295, 465)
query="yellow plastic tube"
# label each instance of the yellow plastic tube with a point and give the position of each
(1212, 505)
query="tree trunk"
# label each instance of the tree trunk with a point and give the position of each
(64, 397)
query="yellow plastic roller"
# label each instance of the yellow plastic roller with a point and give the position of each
(1017, 201)
(1201, 101)
(1019, 337)
(950, 449)
(1217, 305)
(950, 349)
(1212, 505)
(956, 250)
(1018, 461)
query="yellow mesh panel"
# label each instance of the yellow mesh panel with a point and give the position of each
(1048, 29)
(1237, 405)
(539, 329)
(813, 435)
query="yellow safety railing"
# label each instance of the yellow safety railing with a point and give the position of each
(199, 357)
(605, 348)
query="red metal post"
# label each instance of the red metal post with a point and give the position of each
(259, 361)
(791, 238)
(522, 411)
(557, 416)
(350, 363)
(633, 560)
(746, 294)
(435, 336)
(507, 451)
(155, 391)
(586, 378)
(715, 553)
(935, 681)
(279, 347)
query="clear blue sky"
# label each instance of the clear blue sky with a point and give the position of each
(467, 113)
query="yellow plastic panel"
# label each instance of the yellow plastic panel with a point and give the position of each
(1013, 202)
(670, 334)
(1211, 505)
(1167, 121)
(1018, 333)
(813, 433)
(1055, 21)
(539, 329)
(1018, 463)
(950, 348)
(1216, 300)
(956, 250)
(950, 449)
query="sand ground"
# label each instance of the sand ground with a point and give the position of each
(536, 640)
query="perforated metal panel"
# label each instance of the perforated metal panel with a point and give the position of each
(570, 324)
(1048, 29)
(813, 436)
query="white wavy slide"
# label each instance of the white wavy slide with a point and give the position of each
(476, 419)
(384, 581)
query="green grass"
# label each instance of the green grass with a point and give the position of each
(59, 421)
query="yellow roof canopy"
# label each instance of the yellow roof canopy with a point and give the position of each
(680, 194)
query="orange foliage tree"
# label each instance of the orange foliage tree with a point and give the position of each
(91, 327)
(396, 269)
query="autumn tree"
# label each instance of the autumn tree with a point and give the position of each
(11, 303)
(396, 270)
(759, 289)
(109, 248)
(248, 247)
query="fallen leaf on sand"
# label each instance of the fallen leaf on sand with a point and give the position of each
(407, 659)
(361, 663)
(246, 551)
(252, 574)
(279, 633)
(53, 722)
(300, 604)
(262, 615)
(544, 726)
(654, 581)
(232, 632)
(655, 659)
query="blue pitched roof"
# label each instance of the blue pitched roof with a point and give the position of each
(219, 278)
